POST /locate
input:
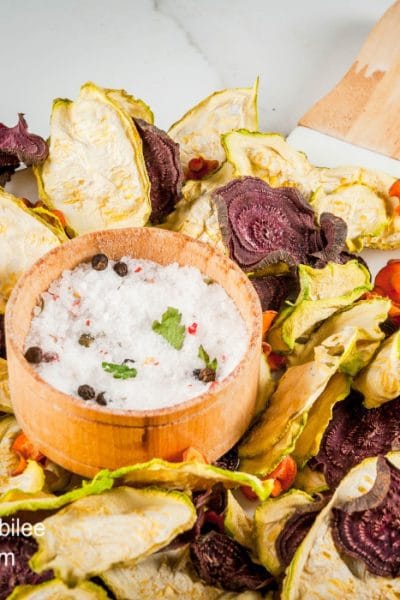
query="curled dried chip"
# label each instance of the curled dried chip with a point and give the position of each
(262, 225)
(369, 531)
(199, 131)
(295, 530)
(29, 148)
(221, 561)
(123, 525)
(273, 290)
(16, 571)
(320, 569)
(333, 234)
(355, 433)
(161, 156)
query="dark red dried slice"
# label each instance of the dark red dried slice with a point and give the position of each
(162, 159)
(29, 148)
(262, 225)
(222, 562)
(273, 290)
(17, 571)
(296, 529)
(332, 239)
(355, 433)
(369, 531)
(8, 166)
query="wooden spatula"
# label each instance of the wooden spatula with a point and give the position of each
(363, 110)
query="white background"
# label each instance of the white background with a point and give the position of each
(172, 53)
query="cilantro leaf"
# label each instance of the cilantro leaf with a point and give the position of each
(119, 371)
(210, 364)
(170, 328)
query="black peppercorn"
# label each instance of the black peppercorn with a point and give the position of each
(86, 392)
(121, 269)
(34, 355)
(99, 262)
(205, 375)
(101, 400)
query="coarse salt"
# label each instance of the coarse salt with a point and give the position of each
(118, 313)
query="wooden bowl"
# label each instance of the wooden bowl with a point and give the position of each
(84, 438)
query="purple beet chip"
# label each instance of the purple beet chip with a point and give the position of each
(17, 142)
(162, 159)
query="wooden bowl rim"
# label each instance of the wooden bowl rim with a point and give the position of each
(131, 418)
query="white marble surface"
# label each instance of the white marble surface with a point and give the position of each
(174, 52)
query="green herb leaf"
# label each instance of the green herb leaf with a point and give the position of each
(119, 371)
(170, 327)
(210, 364)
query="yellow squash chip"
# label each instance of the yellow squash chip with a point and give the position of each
(136, 108)
(169, 574)
(195, 214)
(95, 173)
(287, 411)
(379, 382)
(24, 238)
(123, 525)
(199, 131)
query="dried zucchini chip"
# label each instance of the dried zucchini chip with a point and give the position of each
(95, 173)
(379, 382)
(320, 571)
(270, 519)
(322, 293)
(308, 443)
(167, 574)
(366, 315)
(136, 108)
(199, 131)
(195, 214)
(189, 476)
(17, 500)
(57, 590)
(24, 238)
(123, 525)
(269, 157)
(290, 403)
(237, 523)
(267, 461)
(359, 206)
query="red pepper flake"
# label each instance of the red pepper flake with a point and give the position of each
(87, 322)
(138, 269)
(192, 328)
(276, 361)
(76, 302)
(213, 385)
(199, 167)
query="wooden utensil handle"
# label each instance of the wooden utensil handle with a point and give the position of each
(364, 107)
